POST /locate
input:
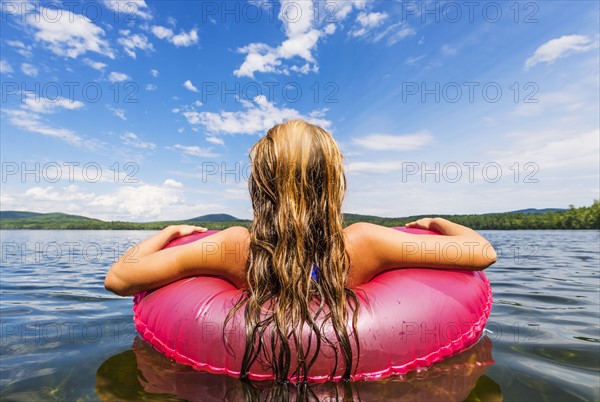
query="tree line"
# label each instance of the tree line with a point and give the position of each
(571, 219)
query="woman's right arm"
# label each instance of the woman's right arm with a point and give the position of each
(374, 249)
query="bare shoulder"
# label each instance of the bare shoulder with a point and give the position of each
(236, 234)
(361, 241)
(237, 238)
(364, 232)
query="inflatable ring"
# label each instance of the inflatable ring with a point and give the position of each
(409, 319)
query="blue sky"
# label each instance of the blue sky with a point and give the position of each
(141, 111)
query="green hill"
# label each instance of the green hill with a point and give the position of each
(215, 218)
(17, 214)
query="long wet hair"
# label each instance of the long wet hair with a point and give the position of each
(297, 186)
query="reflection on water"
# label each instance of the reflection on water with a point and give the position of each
(64, 337)
(142, 373)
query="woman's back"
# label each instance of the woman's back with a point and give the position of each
(297, 251)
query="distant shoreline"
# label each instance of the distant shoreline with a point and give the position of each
(583, 218)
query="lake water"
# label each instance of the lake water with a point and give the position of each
(63, 337)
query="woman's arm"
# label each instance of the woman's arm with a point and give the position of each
(374, 249)
(147, 266)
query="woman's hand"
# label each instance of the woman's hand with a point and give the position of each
(177, 231)
(149, 266)
(374, 249)
(423, 223)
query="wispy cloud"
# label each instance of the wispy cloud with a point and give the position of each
(385, 142)
(120, 113)
(40, 104)
(561, 47)
(29, 117)
(374, 167)
(96, 65)
(32, 122)
(134, 140)
(5, 67)
(118, 77)
(23, 49)
(29, 69)
(193, 150)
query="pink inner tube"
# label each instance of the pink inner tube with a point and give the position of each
(409, 319)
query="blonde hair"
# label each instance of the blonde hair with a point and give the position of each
(297, 186)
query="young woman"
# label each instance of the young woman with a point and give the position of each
(297, 251)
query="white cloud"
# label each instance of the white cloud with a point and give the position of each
(130, 42)
(302, 31)
(194, 150)
(130, 10)
(374, 167)
(118, 77)
(260, 58)
(411, 61)
(154, 73)
(258, 116)
(96, 65)
(366, 22)
(68, 193)
(29, 118)
(23, 49)
(5, 68)
(189, 86)
(120, 113)
(181, 39)
(29, 70)
(172, 183)
(133, 140)
(151, 87)
(162, 32)
(448, 50)
(215, 140)
(384, 142)
(564, 150)
(69, 34)
(394, 33)
(40, 104)
(141, 201)
(185, 39)
(568, 100)
(556, 48)
(29, 121)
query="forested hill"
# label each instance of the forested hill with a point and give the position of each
(551, 218)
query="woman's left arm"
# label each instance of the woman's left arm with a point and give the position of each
(147, 266)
